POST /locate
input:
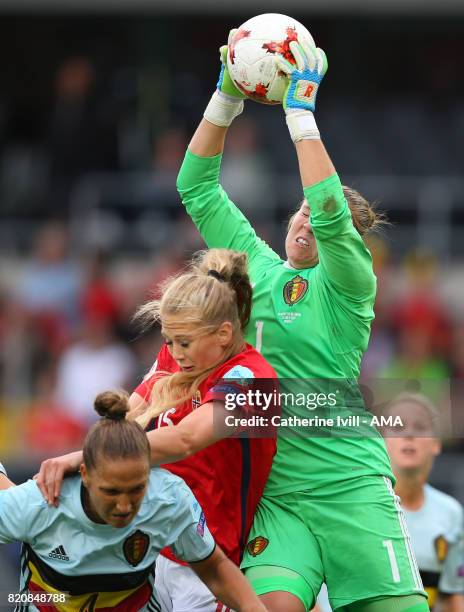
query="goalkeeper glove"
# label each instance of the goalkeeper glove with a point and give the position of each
(300, 96)
(227, 101)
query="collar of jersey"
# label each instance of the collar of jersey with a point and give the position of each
(289, 267)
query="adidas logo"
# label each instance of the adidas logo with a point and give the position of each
(59, 553)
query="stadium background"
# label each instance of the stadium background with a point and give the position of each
(97, 103)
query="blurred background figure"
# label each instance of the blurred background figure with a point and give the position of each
(421, 323)
(246, 169)
(49, 286)
(50, 427)
(82, 134)
(97, 359)
(434, 519)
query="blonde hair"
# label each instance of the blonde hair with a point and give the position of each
(363, 213)
(214, 288)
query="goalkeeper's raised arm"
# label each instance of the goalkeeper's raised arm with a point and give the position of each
(226, 103)
(220, 223)
(329, 226)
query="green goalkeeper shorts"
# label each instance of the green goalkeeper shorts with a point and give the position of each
(350, 534)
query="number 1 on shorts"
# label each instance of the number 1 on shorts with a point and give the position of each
(388, 544)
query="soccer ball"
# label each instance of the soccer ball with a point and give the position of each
(250, 57)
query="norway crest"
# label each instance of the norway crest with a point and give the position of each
(135, 547)
(196, 400)
(295, 290)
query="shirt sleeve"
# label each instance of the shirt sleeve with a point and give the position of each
(452, 576)
(195, 542)
(233, 381)
(220, 223)
(345, 261)
(18, 507)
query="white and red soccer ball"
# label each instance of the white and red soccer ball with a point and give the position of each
(251, 53)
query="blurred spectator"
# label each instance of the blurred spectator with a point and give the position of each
(381, 343)
(246, 174)
(457, 351)
(168, 152)
(82, 135)
(434, 519)
(165, 264)
(48, 427)
(421, 307)
(49, 287)
(415, 357)
(98, 361)
(98, 297)
(18, 351)
(421, 323)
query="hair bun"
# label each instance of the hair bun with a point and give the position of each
(113, 405)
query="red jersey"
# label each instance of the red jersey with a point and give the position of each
(228, 477)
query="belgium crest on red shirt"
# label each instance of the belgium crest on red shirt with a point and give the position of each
(295, 290)
(257, 545)
(135, 547)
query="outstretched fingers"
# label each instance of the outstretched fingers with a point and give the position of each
(299, 54)
(223, 54)
(322, 63)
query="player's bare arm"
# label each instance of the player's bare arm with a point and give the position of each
(52, 471)
(199, 429)
(314, 162)
(227, 582)
(208, 139)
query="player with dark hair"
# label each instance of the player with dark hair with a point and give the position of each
(204, 361)
(97, 550)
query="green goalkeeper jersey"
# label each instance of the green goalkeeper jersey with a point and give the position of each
(309, 324)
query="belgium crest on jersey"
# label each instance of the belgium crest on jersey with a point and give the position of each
(441, 548)
(295, 290)
(257, 545)
(135, 547)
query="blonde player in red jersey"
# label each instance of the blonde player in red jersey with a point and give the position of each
(203, 313)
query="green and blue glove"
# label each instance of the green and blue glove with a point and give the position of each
(225, 84)
(304, 79)
(227, 101)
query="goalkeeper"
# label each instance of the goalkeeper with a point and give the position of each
(328, 511)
